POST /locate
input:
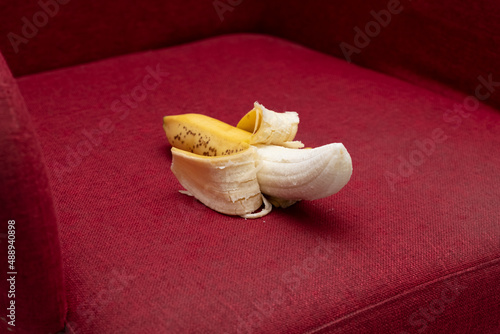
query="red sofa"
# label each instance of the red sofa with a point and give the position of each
(105, 243)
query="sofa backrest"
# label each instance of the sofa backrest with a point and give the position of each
(38, 35)
(444, 41)
(421, 41)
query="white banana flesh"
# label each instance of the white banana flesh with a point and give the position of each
(306, 174)
(269, 127)
(234, 170)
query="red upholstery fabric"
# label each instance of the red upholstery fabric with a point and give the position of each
(81, 31)
(443, 41)
(411, 245)
(26, 198)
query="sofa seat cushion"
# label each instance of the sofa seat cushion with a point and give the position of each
(412, 243)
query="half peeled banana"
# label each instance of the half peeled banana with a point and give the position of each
(234, 170)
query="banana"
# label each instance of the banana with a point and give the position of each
(234, 170)
(292, 174)
(227, 184)
(269, 127)
(204, 135)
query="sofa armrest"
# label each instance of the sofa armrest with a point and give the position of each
(36, 288)
(453, 43)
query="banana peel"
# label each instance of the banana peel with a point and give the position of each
(235, 170)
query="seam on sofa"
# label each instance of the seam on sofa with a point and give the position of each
(484, 265)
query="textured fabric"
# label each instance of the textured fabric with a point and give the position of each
(46, 34)
(411, 244)
(439, 40)
(447, 41)
(36, 287)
